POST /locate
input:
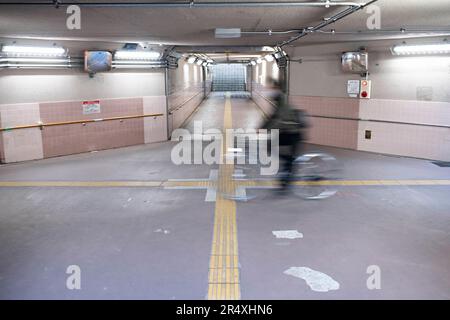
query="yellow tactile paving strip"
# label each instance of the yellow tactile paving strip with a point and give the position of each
(223, 280)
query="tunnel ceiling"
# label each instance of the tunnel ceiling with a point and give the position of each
(111, 26)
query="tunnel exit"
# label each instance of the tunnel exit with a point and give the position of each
(229, 77)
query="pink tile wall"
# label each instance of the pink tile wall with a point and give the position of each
(155, 128)
(77, 138)
(73, 110)
(331, 132)
(390, 138)
(325, 106)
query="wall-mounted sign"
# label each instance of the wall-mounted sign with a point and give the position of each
(90, 107)
(353, 88)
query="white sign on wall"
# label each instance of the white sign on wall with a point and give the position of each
(353, 87)
(90, 107)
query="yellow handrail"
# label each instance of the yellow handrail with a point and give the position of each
(50, 124)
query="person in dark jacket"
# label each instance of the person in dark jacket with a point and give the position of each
(290, 122)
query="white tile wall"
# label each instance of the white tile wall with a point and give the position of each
(427, 112)
(21, 144)
(406, 140)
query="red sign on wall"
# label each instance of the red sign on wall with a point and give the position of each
(90, 107)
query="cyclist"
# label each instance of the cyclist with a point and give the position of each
(290, 122)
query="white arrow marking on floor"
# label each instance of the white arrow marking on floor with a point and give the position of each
(316, 280)
(288, 234)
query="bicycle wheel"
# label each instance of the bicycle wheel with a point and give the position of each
(315, 176)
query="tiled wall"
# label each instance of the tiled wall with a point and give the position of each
(34, 143)
(186, 92)
(2, 151)
(328, 107)
(261, 96)
(427, 112)
(23, 144)
(179, 113)
(77, 138)
(406, 140)
(155, 128)
(414, 139)
(341, 133)
(429, 142)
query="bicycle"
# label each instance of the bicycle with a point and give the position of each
(315, 177)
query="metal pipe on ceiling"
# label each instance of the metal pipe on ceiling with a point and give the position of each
(371, 32)
(271, 32)
(328, 21)
(188, 4)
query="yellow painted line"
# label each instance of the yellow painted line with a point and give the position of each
(102, 184)
(227, 187)
(223, 280)
(373, 182)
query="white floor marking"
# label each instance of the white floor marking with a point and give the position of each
(163, 231)
(288, 234)
(316, 280)
(211, 192)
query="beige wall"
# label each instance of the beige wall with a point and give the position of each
(403, 121)
(393, 77)
(261, 92)
(23, 86)
(186, 92)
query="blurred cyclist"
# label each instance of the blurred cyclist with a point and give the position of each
(290, 122)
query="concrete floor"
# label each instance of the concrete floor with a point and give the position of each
(116, 234)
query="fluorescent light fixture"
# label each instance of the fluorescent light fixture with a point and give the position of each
(135, 62)
(30, 51)
(199, 62)
(224, 33)
(37, 66)
(259, 60)
(269, 58)
(34, 60)
(191, 59)
(268, 49)
(280, 54)
(442, 48)
(136, 55)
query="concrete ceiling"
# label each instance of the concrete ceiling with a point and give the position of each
(110, 27)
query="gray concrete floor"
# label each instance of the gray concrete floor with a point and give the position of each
(113, 233)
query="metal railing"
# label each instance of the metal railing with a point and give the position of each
(52, 124)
